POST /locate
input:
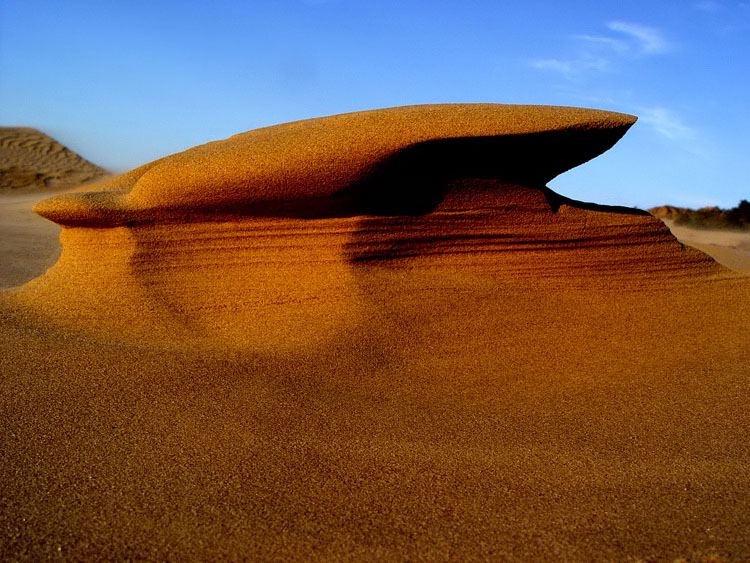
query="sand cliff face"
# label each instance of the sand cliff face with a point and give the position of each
(31, 159)
(292, 235)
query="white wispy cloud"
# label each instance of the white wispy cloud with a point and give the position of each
(667, 124)
(599, 52)
(571, 68)
(649, 39)
(617, 45)
(563, 67)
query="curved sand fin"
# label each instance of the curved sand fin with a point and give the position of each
(353, 164)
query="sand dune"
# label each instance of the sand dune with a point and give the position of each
(729, 248)
(375, 336)
(31, 159)
(29, 244)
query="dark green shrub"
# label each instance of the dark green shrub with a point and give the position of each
(716, 218)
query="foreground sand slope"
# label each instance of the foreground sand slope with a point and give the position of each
(430, 355)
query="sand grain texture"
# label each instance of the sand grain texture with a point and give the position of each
(375, 336)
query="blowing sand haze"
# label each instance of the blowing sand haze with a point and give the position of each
(375, 335)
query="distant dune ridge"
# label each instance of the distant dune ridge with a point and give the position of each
(31, 159)
(736, 218)
(267, 238)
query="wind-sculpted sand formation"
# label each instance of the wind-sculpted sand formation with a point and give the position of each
(31, 159)
(375, 335)
(268, 239)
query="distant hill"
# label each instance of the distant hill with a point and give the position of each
(706, 217)
(31, 159)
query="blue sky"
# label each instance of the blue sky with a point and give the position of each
(123, 83)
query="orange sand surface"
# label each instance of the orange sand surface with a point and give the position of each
(468, 366)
